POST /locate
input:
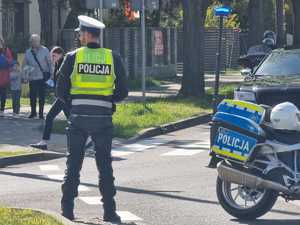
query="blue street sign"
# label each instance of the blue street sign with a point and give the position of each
(222, 11)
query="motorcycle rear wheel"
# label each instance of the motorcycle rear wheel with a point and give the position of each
(262, 200)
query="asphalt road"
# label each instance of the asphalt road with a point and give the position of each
(160, 181)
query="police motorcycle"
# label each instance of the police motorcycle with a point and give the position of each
(259, 151)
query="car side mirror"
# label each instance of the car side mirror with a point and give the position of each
(246, 72)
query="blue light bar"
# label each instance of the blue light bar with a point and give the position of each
(222, 11)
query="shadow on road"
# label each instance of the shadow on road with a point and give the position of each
(159, 193)
(164, 194)
(269, 222)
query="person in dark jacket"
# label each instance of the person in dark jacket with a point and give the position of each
(92, 79)
(57, 55)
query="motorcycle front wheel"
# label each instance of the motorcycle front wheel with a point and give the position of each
(243, 202)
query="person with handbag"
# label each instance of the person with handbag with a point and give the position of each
(38, 56)
(5, 59)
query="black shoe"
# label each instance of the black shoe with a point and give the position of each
(32, 116)
(67, 208)
(39, 146)
(68, 215)
(112, 217)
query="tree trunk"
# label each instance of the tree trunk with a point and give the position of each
(193, 47)
(280, 23)
(76, 10)
(296, 7)
(256, 25)
(45, 10)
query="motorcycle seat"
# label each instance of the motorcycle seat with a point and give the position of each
(282, 136)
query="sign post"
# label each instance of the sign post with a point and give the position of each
(221, 12)
(143, 36)
(101, 19)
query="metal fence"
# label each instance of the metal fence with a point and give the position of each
(229, 54)
(164, 49)
(161, 48)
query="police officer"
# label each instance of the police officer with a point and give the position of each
(92, 79)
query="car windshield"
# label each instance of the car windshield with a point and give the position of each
(280, 64)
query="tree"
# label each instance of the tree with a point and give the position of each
(46, 21)
(76, 10)
(194, 14)
(280, 22)
(256, 25)
(296, 9)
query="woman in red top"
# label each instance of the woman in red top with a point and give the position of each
(6, 58)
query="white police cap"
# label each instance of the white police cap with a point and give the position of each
(87, 23)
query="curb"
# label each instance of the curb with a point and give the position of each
(55, 215)
(29, 158)
(171, 127)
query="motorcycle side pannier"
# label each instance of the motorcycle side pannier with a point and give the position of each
(236, 129)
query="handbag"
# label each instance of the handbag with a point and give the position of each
(46, 75)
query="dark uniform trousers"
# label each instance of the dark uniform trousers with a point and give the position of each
(100, 128)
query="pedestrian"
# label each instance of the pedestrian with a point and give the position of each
(93, 79)
(15, 87)
(5, 60)
(57, 55)
(38, 56)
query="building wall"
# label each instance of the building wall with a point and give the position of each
(34, 18)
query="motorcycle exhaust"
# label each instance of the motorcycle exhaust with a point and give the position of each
(238, 177)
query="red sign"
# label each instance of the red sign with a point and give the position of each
(158, 43)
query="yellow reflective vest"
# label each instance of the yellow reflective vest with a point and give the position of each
(93, 72)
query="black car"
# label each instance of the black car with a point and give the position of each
(275, 80)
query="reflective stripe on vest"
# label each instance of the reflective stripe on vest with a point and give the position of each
(93, 72)
(92, 102)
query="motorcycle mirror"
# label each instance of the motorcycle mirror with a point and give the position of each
(246, 72)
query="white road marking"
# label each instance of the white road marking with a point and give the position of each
(56, 177)
(49, 167)
(295, 202)
(182, 152)
(116, 153)
(91, 200)
(142, 145)
(83, 188)
(128, 216)
(189, 149)
(198, 145)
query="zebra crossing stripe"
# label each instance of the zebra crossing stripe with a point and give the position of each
(83, 188)
(91, 200)
(128, 216)
(59, 177)
(142, 145)
(49, 167)
(116, 153)
(189, 149)
(182, 152)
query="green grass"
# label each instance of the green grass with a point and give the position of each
(13, 153)
(25, 217)
(131, 118)
(23, 102)
(136, 85)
